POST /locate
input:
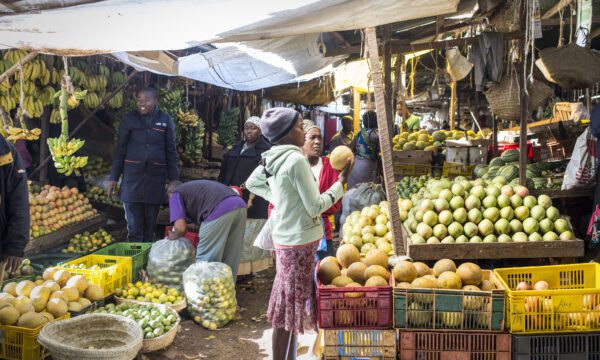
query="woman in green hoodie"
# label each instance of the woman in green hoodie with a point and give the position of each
(286, 180)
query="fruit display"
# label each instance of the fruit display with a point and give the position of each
(228, 127)
(410, 185)
(463, 211)
(547, 175)
(190, 136)
(155, 321)
(210, 293)
(96, 166)
(369, 229)
(444, 275)
(32, 304)
(99, 194)
(86, 242)
(422, 140)
(52, 209)
(347, 269)
(147, 292)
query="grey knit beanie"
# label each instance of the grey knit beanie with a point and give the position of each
(277, 122)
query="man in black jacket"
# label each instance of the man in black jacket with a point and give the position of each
(14, 208)
(146, 156)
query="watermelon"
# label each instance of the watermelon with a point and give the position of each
(497, 162)
(480, 170)
(509, 172)
(510, 155)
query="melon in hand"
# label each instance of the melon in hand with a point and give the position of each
(340, 156)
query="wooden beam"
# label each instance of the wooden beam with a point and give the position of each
(556, 8)
(340, 39)
(567, 21)
(595, 33)
(448, 43)
(522, 79)
(385, 140)
(356, 100)
(387, 73)
(15, 67)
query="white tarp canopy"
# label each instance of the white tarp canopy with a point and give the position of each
(276, 41)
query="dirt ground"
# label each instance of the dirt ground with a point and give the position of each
(247, 338)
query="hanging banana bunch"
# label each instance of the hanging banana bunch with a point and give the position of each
(116, 102)
(187, 119)
(22, 133)
(62, 149)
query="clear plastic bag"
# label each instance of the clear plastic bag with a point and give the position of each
(581, 170)
(168, 259)
(210, 294)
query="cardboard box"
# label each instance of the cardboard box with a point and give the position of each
(412, 157)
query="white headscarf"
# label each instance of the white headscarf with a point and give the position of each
(254, 120)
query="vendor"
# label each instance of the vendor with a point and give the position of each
(146, 156)
(345, 136)
(241, 160)
(366, 167)
(221, 214)
(325, 175)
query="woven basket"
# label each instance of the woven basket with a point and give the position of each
(176, 307)
(570, 66)
(163, 341)
(92, 337)
(504, 97)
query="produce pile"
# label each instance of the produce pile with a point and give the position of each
(86, 242)
(96, 166)
(52, 209)
(369, 229)
(228, 127)
(147, 292)
(422, 140)
(547, 175)
(33, 304)
(506, 166)
(463, 211)
(347, 270)
(153, 320)
(410, 185)
(190, 136)
(99, 194)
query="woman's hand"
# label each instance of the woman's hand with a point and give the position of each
(345, 173)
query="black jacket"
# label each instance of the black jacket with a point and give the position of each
(146, 156)
(14, 202)
(236, 169)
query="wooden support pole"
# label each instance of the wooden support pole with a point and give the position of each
(356, 100)
(385, 140)
(387, 72)
(45, 128)
(522, 104)
(494, 136)
(15, 67)
(91, 115)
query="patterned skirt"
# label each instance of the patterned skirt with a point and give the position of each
(292, 305)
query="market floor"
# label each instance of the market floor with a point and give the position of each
(248, 338)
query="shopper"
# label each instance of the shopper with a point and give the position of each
(221, 214)
(14, 209)
(241, 160)
(146, 156)
(326, 177)
(286, 180)
(345, 136)
(366, 168)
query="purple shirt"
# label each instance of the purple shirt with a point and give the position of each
(177, 208)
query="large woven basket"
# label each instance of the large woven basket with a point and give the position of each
(570, 66)
(504, 97)
(178, 307)
(92, 337)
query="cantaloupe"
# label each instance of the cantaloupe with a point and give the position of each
(327, 272)
(449, 280)
(376, 257)
(49, 273)
(24, 287)
(79, 282)
(376, 281)
(405, 271)
(71, 293)
(61, 277)
(57, 307)
(376, 270)
(74, 306)
(5, 295)
(11, 288)
(347, 254)
(94, 293)
(47, 315)
(443, 266)
(52, 285)
(422, 269)
(356, 272)
(486, 285)
(84, 302)
(40, 291)
(331, 259)
(23, 308)
(38, 303)
(31, 320)
(354, 294)
(339, 157)
(8, 315)
(341, 281)
(59, 295)
(469, 273)
(424, 283)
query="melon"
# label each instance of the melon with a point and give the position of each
(376, 270)
(405, 271)
(442, 266)
(85, 302)
(8, 315)
(11, 288)
(424, 283)
(40, 291)
(49, 273)
(346, 255)
(486, 285)
(48, 316)
(327, 272)
(376, 281)
(422, 269)
(71, 293)
(376, 257)
(450, 280)
(59, 295)
(23, 308)
(31, 320)
(79, 282)
(341, 281)
(469, 273)
(57, 307)
(74, 306)
(356, 272)
(61, 277)
(331, 259)
(52, 285)
(339, 157)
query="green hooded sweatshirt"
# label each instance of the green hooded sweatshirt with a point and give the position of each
(287, 182)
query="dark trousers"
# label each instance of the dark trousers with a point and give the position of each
(141, 221)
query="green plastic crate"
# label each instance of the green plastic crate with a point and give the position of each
(138, 252)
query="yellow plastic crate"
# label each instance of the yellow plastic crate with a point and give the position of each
(114, 272)
(19, 343)
(573, 304)
(401, 170)
(451, 170)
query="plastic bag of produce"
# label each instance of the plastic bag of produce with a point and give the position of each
(168, 259)
(581, 170)
(210, 293)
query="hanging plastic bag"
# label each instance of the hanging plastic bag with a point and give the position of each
(168, 259)
(210, 294)
(264, 239)
(581, 170)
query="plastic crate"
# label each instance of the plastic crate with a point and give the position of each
(114, 272)
(452, 170)
(449, 309)
(359, 344)
(19, 343)
(354, 307)
(138, 252)
(401, 170)
(556, 347)
(439, 345)
(573, 304)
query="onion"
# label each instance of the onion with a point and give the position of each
(523, 285)
(541, 285)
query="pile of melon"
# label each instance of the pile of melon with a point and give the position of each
(369, 229)
(33, 304)
(444, 275)
(348, 269)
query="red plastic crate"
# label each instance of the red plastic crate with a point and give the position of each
(440, 345)
(371, 310)
(190, 235)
